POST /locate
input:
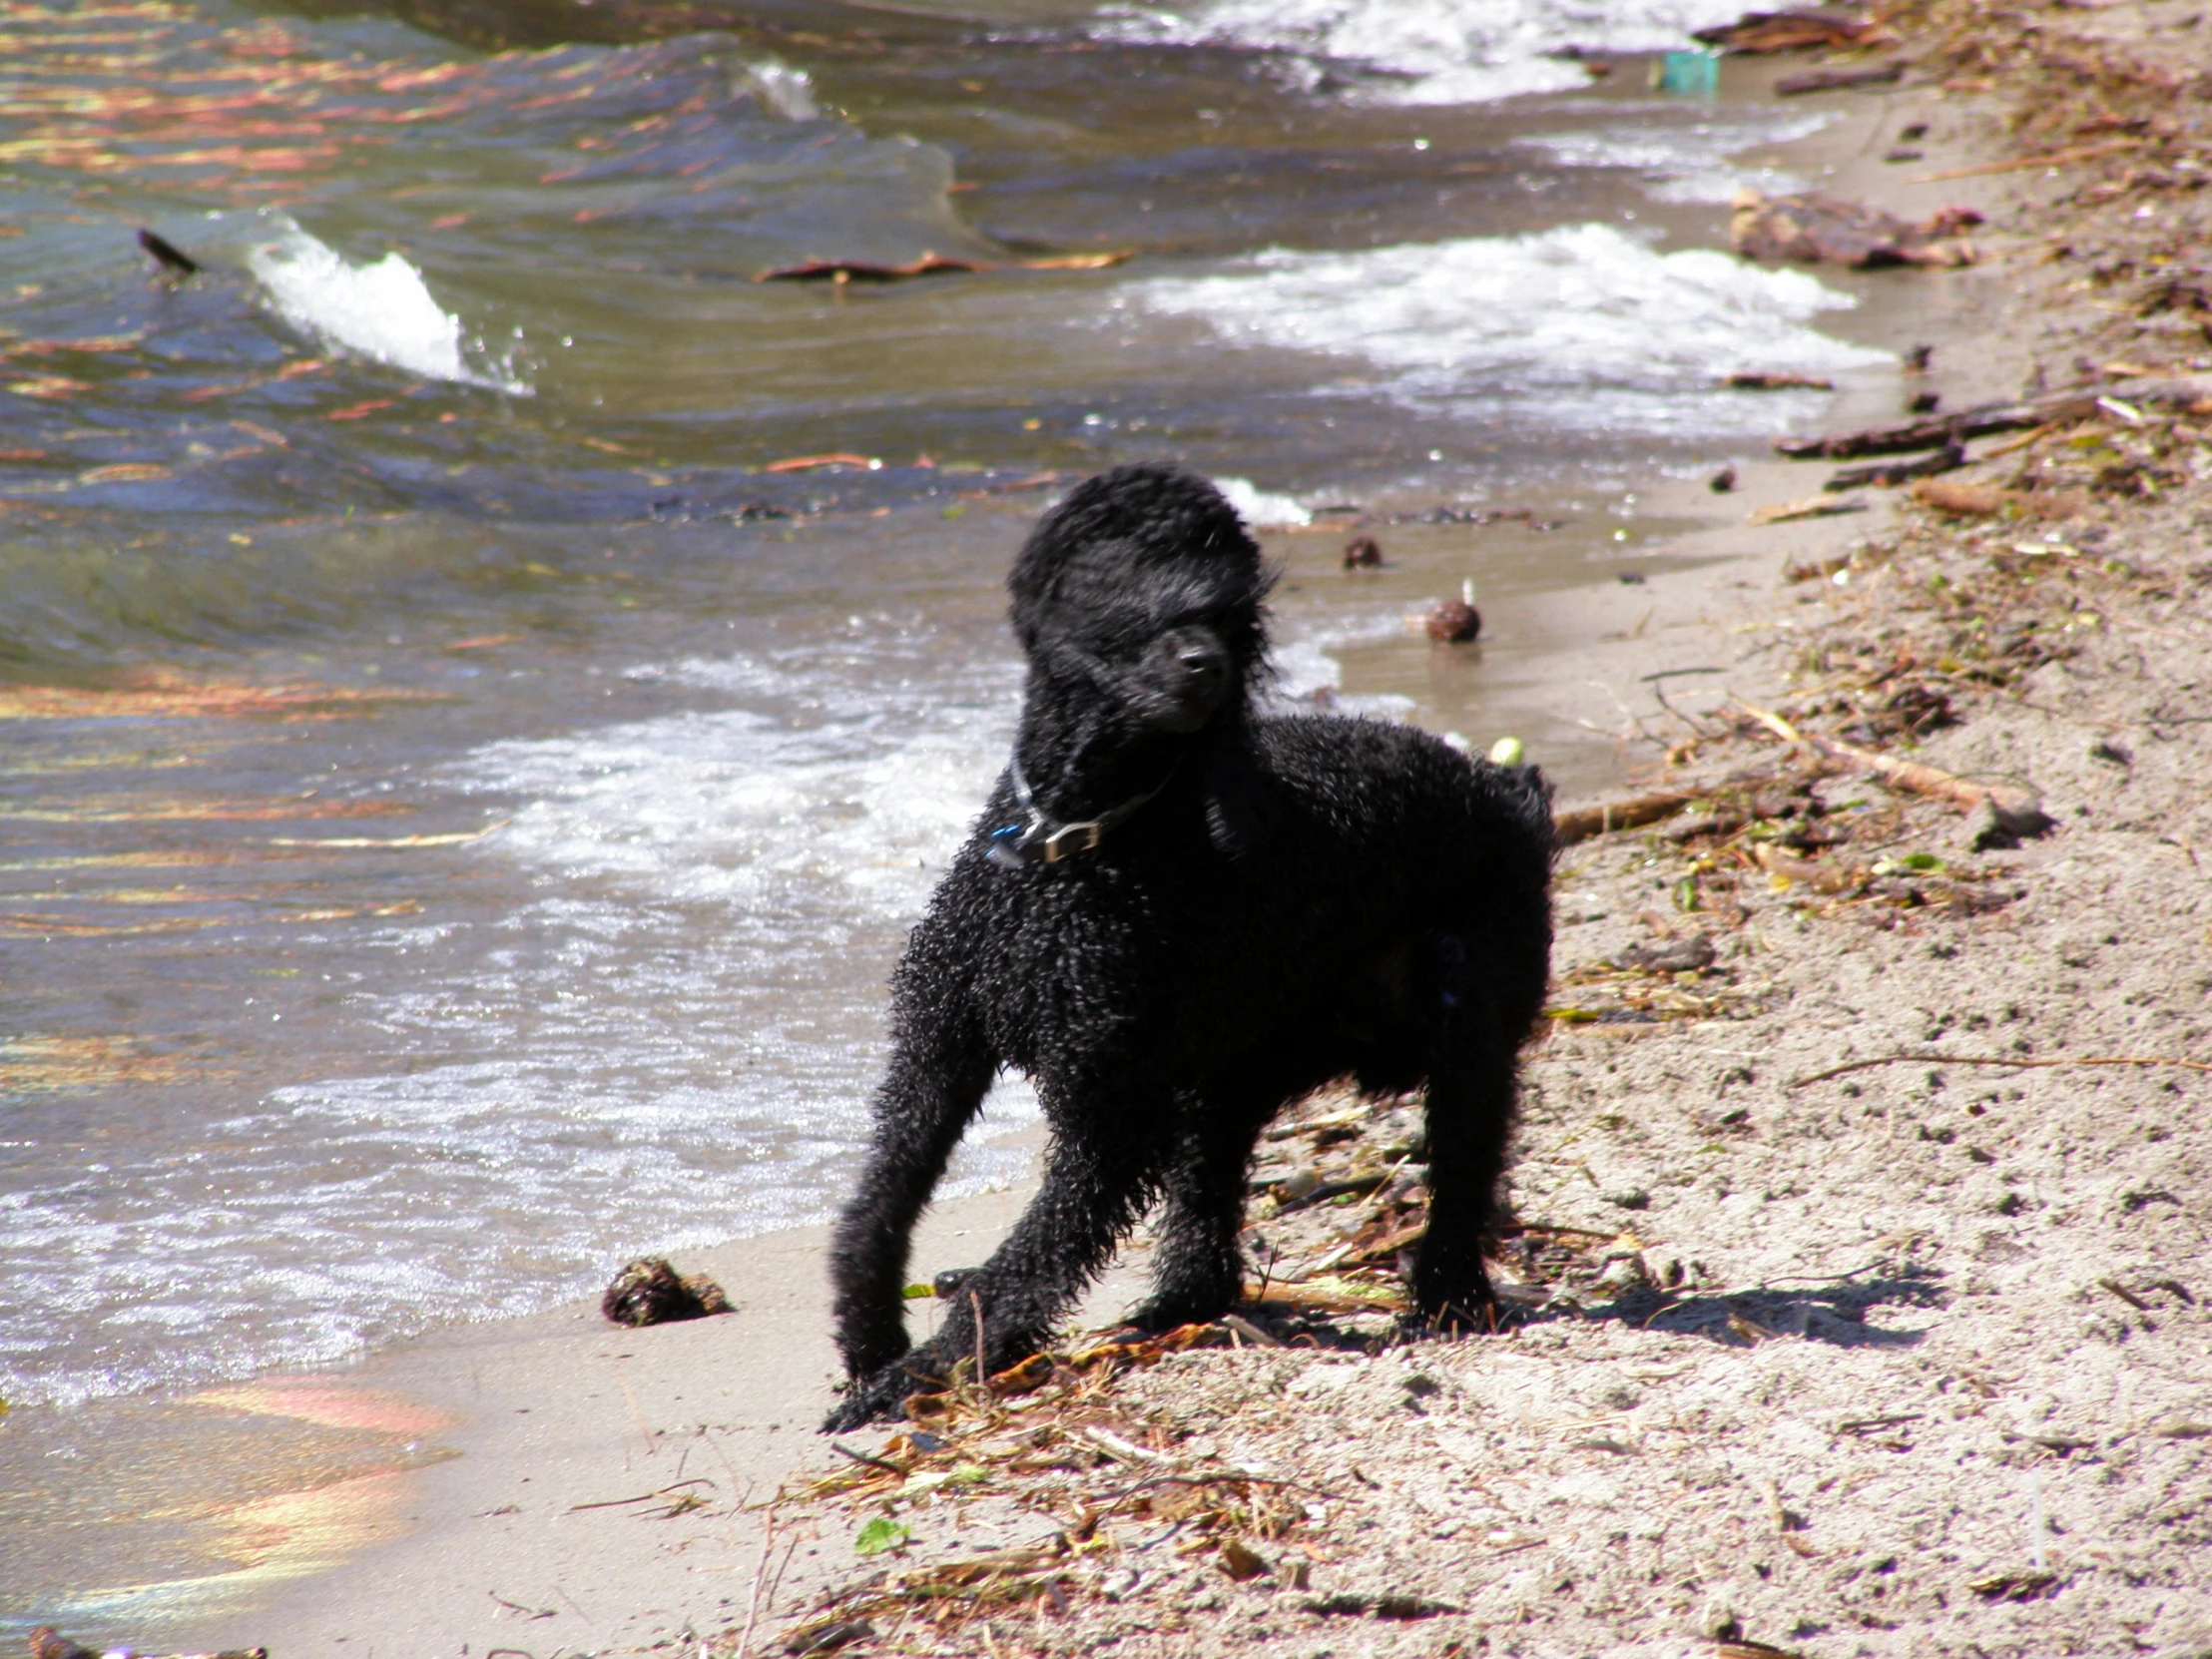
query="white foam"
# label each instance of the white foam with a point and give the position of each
(381, 312)
(1261, 509)
(787, 91)
(1687, 163)
(1439, 51)
(866, 798)
(1559, 315)
(1308, 673)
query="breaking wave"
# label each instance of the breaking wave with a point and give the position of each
(382, 311)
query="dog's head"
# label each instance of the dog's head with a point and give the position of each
(1140, 597)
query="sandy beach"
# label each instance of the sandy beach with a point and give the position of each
(1901, 1360)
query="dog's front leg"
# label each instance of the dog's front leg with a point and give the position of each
(1094, 1187)
(940, 1069)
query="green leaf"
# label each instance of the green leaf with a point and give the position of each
(919, 1293)
(880, 1535)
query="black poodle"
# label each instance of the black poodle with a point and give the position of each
(1177, 916)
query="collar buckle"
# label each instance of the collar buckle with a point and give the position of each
(1063, 841)
(1038, 839)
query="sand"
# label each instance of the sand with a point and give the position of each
(1909, 1359)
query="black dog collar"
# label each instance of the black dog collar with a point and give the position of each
(1041, 840)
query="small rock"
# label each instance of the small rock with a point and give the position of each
(1718, 1617)
(1691, 956)
(1812, 227)
(1242, 1562)
(831, 1637)
(1722, 481)
(1296, 1184)
(1408, 1188)
(1363, 553)
(1992, 827)
(1454, 622)
(1625, 1272)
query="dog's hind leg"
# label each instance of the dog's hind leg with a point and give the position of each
(939, 1072)
(1470, 1117)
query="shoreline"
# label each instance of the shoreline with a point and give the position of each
(402, 1561)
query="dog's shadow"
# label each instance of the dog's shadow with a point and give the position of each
(1833, 1312)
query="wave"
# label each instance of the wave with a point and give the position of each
(1687, 163)
(1573, 311)
(382, 311)
(1438, 51)
(1262, 509)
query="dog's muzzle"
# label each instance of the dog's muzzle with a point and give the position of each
(1040, 839)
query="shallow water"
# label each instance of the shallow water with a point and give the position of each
(459, 802)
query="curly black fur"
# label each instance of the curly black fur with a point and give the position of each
(1296, 900)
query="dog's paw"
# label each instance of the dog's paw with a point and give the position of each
(880, 1395)
(1474, 1317)
(869, 1399)
(1160, 1315)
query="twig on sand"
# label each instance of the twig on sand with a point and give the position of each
(2060, 409)
(1909, 1055)
(2021, 163)
(1659, 690)
(1581, 822)
(759, 1572)
(1252, 1333)
(1232, 1477)
(2016, 810)
(1816, 506)
(642, 1498)
(864, 1458)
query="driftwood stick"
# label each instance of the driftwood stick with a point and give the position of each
(1910, 1055)
(2023, 164)
(1830, 80)
(1579, 824)
(1937, 431)
(1889, 474)
(2016, 808)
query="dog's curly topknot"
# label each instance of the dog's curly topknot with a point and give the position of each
(1131, 544)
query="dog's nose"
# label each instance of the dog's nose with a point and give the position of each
(1186, 675)
(1202, 659)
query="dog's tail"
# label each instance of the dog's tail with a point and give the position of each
(1518, 847)
(1524, 795)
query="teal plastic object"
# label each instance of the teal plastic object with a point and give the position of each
(1691, 74)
